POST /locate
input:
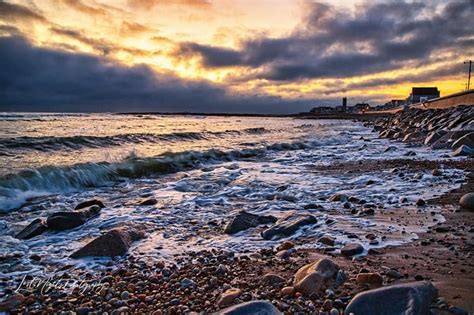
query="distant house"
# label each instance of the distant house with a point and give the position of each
(394, 103)
(322, 110)
(422, 94)
(360, 107)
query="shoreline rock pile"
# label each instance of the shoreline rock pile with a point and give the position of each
(451, 128)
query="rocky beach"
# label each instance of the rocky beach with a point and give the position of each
(381, 223)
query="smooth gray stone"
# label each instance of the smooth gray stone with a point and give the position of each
(412, 298)
(258, 307)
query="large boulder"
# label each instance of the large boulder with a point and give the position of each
(352, 249)
(434, 136)
(467, 140)
(463, 150)
(467, 202)
(258, 307)
(314, 277)
(113, 243)
(36, 227)
(407, 299)
(288, 226)
(66, 220)
(244, 220)
(90, 203)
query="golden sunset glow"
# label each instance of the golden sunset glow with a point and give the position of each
(231, 44)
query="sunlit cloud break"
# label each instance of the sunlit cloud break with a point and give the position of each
(226, 56)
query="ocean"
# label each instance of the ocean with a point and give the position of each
(202, 171)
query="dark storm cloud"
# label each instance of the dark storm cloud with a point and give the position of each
(428, 75)
(332, 43)
(39, 79)
(16, 12)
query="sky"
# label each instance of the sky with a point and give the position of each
(247, 56)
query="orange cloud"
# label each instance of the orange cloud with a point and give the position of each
(149, 4)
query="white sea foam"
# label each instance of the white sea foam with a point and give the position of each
(205, 185)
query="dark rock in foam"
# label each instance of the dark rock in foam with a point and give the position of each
(33, 229)
(288, 226)
(245, 220)
(66, 220)
(113, 243)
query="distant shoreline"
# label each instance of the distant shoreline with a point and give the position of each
(307, 115)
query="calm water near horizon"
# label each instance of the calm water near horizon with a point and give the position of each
(202, 170)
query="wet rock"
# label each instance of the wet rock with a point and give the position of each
(70, 219)
(89, 203)
(390, 148)
(434, 136)
(227, 298)
(467, 202)
(312, 206)
(273, 280)
(257, 307)
(436, 172)
(245, 220)
(36, 227)
(327, 240)
(467, 140)
(409, 299)
(463, 150)
(286, 245)
(12, 302)
(35, 257)
(393, 274)
(312, 278)
(352, 249)
(288, 226)
(373, 280)
(338, 197)
(148, 202)
(113, 243)
(420, 203)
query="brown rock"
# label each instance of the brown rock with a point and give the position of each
(89, 203)
(286, 245)
(273, 280)
(339, 197)
(352, 249)
(373, 280)
(12, 302)
(327, 240)
(227, 298)
(436, 172)
(113, 243)
(288, 291)
(313, 277)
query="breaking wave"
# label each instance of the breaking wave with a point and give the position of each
(16, 188)
(78, 142)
